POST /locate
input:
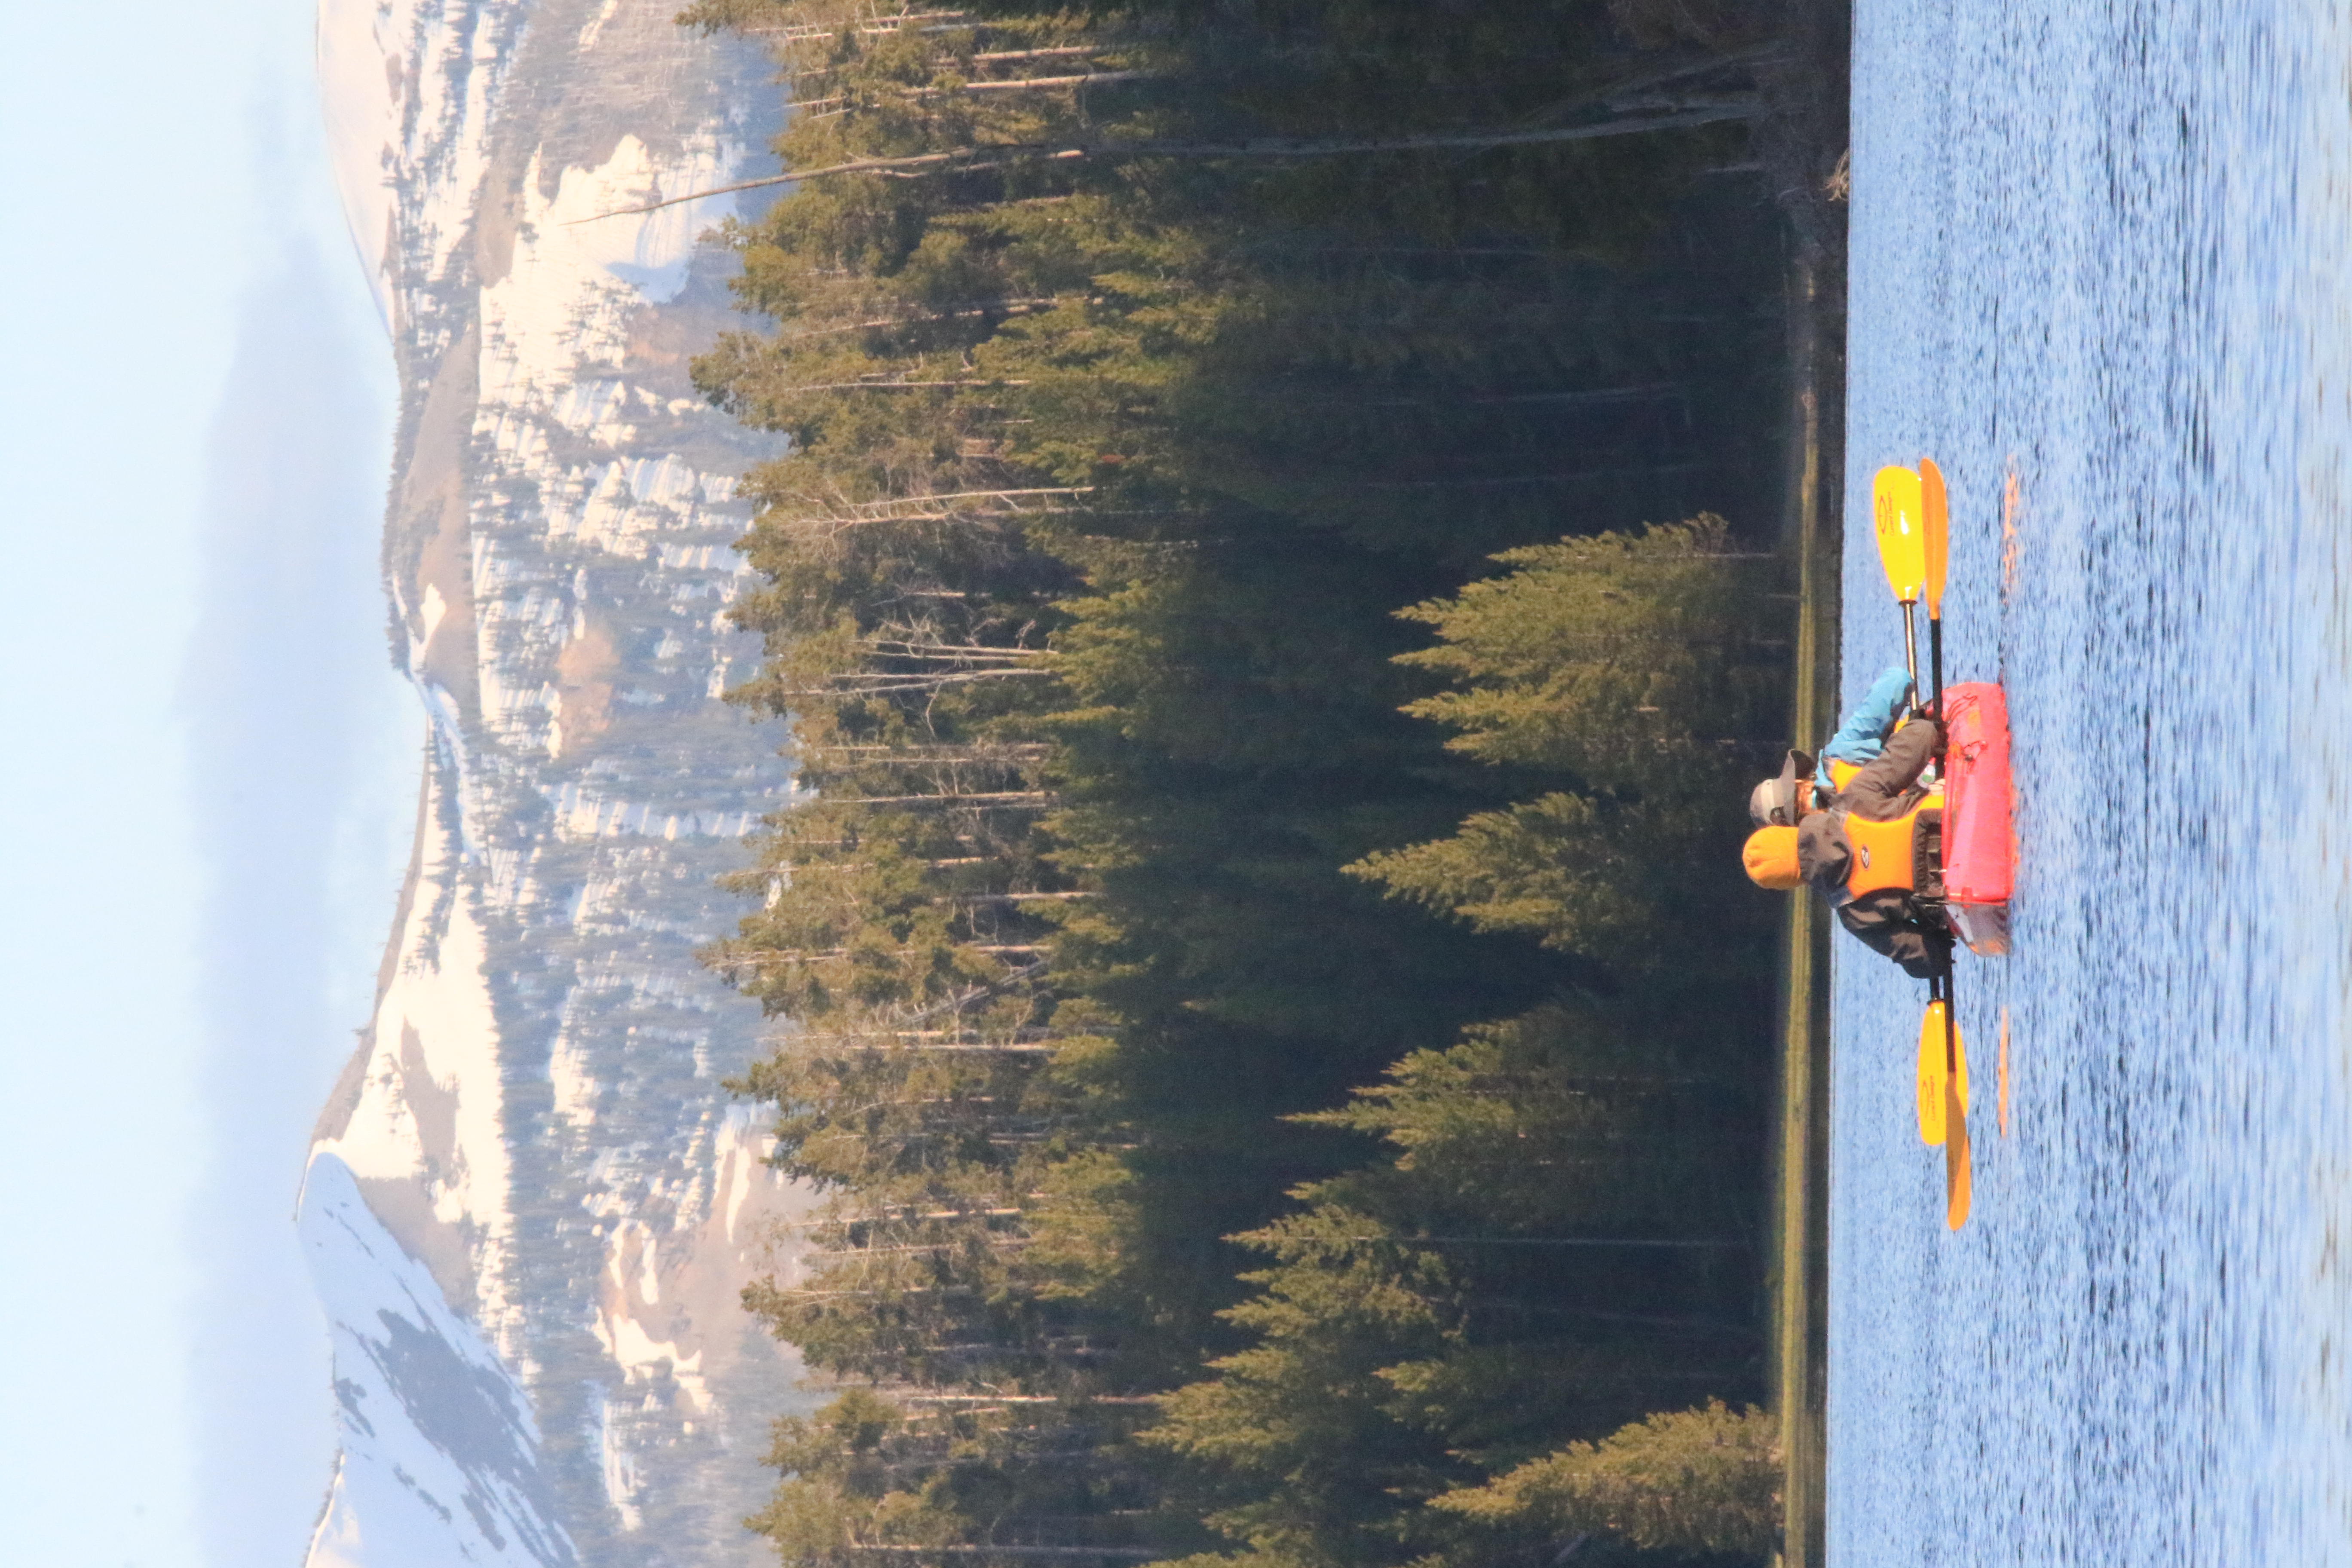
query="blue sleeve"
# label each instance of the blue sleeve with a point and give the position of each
(1862, 735)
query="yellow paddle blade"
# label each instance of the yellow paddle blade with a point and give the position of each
(1935, 516)
(1932, 1075)
(1958, 1183)
(1900, 509)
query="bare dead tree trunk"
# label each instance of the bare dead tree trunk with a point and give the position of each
(977, 157)
(880, 684)
(1019, 751)
(1026, 83)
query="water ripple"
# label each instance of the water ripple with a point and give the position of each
(2099, 250)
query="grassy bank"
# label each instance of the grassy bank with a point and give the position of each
(1813, 534)
(1799, 1277)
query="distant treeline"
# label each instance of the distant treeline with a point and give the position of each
(1266, 988)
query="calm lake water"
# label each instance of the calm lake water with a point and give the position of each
(2101, 250)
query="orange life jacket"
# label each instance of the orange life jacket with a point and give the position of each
(1885, 854)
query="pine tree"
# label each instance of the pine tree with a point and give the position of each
(1639, 671)
(1560, 1238)
(1703, 1481)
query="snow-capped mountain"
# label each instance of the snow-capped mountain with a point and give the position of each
(530, 1207)
(440, 1456)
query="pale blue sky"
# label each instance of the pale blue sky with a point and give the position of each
(210, 769)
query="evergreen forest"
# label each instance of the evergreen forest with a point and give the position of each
(1276, 582)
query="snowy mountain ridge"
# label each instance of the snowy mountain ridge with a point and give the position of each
(531, 1208)
(440, 1455)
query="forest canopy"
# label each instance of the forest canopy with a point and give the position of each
(1273, 583)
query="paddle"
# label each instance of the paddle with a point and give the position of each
(1935, 551)
(1943, 1101)
(1898, 506)
(1933, 1074)
(1936, 527)
(1935, 540)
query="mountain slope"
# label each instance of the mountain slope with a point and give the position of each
(530, 1207)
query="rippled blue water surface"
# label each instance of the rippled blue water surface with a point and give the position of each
(2101, 249)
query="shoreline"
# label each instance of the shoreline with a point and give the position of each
(1796, 1282)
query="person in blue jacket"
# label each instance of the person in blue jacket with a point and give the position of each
(1858, 741)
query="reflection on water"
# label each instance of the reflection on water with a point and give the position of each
(2099, 264)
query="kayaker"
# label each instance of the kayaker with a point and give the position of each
(1872, 851)
(1857, 742)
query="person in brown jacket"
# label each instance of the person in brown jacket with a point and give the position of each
(1875, 851)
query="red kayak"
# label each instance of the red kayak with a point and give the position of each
(1979, 847)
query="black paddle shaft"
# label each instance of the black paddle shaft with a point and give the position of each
(1951, 1019)
(1944, 772)
(1936, 673)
